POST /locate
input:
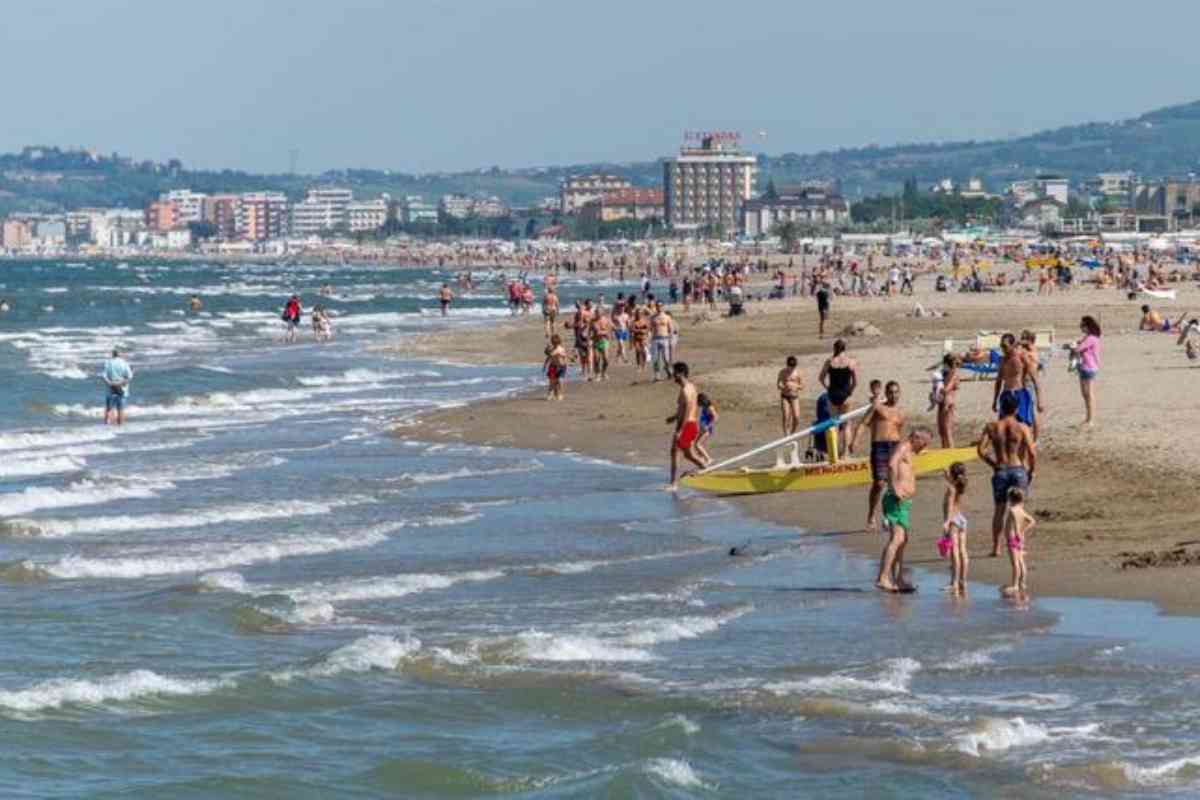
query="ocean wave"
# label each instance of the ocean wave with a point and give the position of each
(371, 652)
(124, 687)
(208, 558)
(249, 512)
(30, 467)
(356, 376)
(675, 771)
(81, 493)
(467, 472)
(895, 678)
(381, 588)
(35, 440)
(991, 735)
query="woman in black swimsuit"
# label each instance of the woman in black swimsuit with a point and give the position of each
(839, 376)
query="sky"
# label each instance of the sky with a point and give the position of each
(433, 85)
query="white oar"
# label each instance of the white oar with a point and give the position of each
(825, 425)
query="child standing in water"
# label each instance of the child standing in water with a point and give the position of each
(708, 422)
(1017, 524)
(954, 527)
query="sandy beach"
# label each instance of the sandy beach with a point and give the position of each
(1113, 502)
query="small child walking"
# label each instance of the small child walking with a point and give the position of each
(708, 423)
(954, 528)
(555, 367)
(1017, 524)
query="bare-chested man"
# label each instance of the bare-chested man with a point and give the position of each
(662, 328)
(1007, 446)
(640, 330)
(581, 324)
(897, 510)
(601, 333)
(550, 310)
(1011, 379)
(687, 422)
(886, 421)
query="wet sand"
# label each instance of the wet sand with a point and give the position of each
(1115, 504)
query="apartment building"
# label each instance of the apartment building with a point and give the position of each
(222, 212)
(638, 204)
(579, 190)
(189, 206)
(162, 215)
(368, 216)
(802, 206)
(262, 216)
(706, 186)
(415, 211)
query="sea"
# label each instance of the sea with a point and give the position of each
(263, 586)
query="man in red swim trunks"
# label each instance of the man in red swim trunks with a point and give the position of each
(687, 422)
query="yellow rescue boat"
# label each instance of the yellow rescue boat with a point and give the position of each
(810, 477)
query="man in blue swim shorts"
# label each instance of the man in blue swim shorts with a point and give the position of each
(117, 375)
(1017, 370)
(1007, 447)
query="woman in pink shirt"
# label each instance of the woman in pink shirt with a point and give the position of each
(1087, 350)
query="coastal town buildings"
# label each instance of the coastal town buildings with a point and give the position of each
(368, 216)
(189, 206)
(162, 215)
(635, 204)
(579, 190)
(222, 212)
(805, 206)
(323, 210)
(262, 216)
(17, 234)
(1178, 198)
(706, 186)
(415, 211)
(455, 206)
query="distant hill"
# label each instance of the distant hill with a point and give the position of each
(1160, 143)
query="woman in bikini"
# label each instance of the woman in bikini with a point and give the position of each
(948, 398)
(790, 383)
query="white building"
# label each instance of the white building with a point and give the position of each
(323, 210)
(415, 211)
(367, 216)
(458, 206)
(708, 185)
(118, 227)
(189, 206)
(805, 207)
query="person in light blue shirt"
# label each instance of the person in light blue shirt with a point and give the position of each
(117, 376)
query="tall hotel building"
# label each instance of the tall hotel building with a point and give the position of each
(262, 216)
(707, 185)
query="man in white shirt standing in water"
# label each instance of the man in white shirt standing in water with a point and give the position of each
(117, 375)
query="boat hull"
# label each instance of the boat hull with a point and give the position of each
(813, 477)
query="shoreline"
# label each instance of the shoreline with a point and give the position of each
(1102, 499)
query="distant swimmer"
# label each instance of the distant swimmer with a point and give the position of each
(4, 306)
(117, 377)
(291, 317)
(445, 298)
(195, 304)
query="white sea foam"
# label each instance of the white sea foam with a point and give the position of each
(895, 678)
(249, 512)
(209, 557)
(649, 632)
(467, 472)
(81, 493)
(676, 771)
(1169, 772)
(31, 440)
(380, 588)
(116, 688)
(29, 467)
(356, 376)
(974, 658)
(371, 652)
(540, 646)
(992, 735)
(579, 567)
(225, 581)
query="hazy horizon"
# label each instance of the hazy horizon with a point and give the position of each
(525, 83)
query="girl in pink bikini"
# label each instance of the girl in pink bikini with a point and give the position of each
(954, 528)
(1017, 524)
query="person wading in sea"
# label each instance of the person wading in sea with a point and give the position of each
(687, 422)
(897, 510)
(117, 376)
